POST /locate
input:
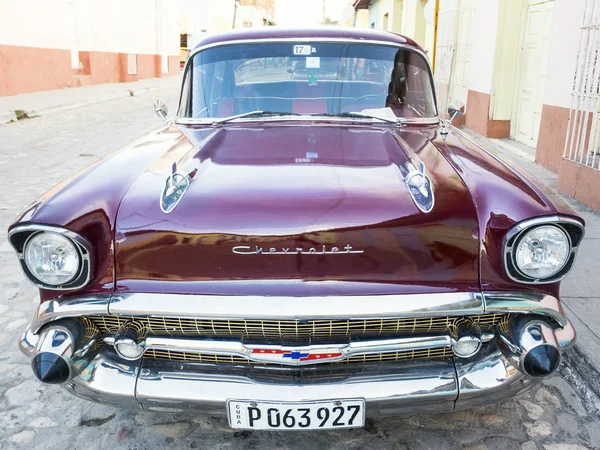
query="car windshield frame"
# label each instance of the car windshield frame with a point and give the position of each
(184, 119)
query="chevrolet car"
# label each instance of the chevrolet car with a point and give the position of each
(307, 242)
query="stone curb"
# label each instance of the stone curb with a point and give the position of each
(581, 363)
(10, 116)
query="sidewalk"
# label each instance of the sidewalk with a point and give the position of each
(39, 103)
(580, 291)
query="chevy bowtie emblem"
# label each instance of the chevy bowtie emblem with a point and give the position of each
(295, 357)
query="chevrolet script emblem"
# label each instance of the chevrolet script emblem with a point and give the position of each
(257, 250)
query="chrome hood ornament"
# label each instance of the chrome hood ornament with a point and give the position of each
(419, 187)
(175, 186)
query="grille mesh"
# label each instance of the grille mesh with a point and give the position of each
(281, 329)
(166, 355)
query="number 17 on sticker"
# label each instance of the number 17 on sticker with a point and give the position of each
(302, 50)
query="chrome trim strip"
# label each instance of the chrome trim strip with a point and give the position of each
(566, 336)
(107, 380)
(355, 307)
(488, 378)
(525, 303)
(83, 246)
(541, 221)
(521, 227)
(309, 308)
(307, 39)
(81, 306)
(28, 342)
(429, 120)
(424, 387)
(345, 351)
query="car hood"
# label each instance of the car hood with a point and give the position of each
(293, 207)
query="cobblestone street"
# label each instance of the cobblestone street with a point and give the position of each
(561, 413)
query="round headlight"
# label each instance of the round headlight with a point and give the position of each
(51, 258)
(542, 252)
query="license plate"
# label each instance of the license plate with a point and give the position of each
(322, 415)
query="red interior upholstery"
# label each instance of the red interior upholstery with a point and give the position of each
(358, 107)
(309, 106)
(307, 99)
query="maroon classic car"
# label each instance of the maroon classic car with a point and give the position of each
(304, 244)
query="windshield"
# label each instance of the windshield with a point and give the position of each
(316, 78)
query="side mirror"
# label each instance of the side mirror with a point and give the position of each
(456, 109)
(161, 109)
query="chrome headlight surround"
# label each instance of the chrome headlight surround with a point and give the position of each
(22, 234)
(574, 231)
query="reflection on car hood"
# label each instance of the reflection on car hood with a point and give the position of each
(272, 203)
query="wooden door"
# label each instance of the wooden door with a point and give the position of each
(535, 51)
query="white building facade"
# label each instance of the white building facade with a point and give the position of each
(526, 69)
(52, 44)
(406, 17)
(529, 70)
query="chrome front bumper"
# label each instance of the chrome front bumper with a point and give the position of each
(389, 389)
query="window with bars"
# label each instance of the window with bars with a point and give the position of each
(582, 143)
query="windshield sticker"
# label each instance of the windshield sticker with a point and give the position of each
(313, 62)
(312, 155)
(303, 50)
(312, 77)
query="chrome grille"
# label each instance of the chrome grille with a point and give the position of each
(313, 330)
(190, 357)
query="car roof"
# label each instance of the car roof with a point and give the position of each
(300, 33)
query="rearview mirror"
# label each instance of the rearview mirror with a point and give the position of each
(456, 109)
(161, 109)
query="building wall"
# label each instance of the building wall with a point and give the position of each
(498, 68)
(67, 43)
(248, 16)
(495, 65)
(403, 16)
(579, 168)
(206, 17)
(467, 40)
(362, 18)
(374, 19)
(559, 84)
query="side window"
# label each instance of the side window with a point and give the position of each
(184, 100)
(216, 89)
(209, 82)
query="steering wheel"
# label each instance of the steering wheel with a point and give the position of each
(367, 97)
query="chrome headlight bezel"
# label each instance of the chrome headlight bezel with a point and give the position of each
(20, 236)
(574, 231)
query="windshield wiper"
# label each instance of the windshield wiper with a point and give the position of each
(257, 113)
(360, 116)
